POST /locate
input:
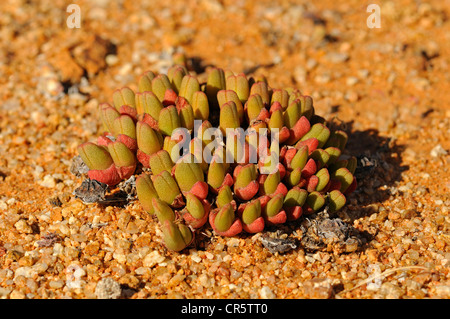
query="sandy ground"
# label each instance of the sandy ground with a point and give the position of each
(389, 87)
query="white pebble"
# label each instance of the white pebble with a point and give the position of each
(27, 272)
(196, 258)
(153, 259)
(266, 293)
(438, 150)
(48, 181)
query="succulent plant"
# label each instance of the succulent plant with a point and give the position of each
(182, 139)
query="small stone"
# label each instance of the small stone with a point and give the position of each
(318, 288)
(266, 293)
(322, 78)
(351, 96)
(108, 288)
(153, 259)
(4, 292)
(56, 284)
(92, 248)
(363, 73)
(310, 64)
(48, 181)
(111, 59)
(443, 291)
(352, 80)
(27, 272)
(175, 280)
(438, 151)
(300, 74)
(23, 227)
(391, 291)
(335, 57)
(233, 242)
(17, 294)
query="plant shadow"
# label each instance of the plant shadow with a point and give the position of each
(379, 168)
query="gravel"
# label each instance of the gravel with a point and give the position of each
(396, 242)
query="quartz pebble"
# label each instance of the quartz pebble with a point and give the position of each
(108, 288)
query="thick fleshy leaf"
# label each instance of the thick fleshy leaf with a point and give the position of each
(124, 96)
(312, 144)
(200, 105)
(147, 138)
(160, 84)
(94, 156)
(224, 96)
(254, 106)
(281, 96)
(321, 157)
(189, 86)
(173, 147)
(215, 83)
(333, 153)
(169, 120)
(271, 183)
(352, 164)
(187, 174)
(276, 120)
(261, 89)
(229, 117)
(148, 102)
(324, 178)
(225, 196)
(109, 176)
(216, 174)
(224, 218)
(185, 112)
(319, 131)
(295, 197)
(344, 176)
(175, 75)
(121, 154)
(274, 205)
(315, 200)
(145, 81)
(300, 128)
(146, 192)
(292, 114)
(167, 188)
(251, 212)
(336, 200)
(163, 210)
(170, 97)
(160, 161)
(306, 106)
(195, 206)
(108, 114)
(125, 125)
(176, 236)
(244, 175)
(239, 84)
(293, 177)
(300, 158)
(337, 139)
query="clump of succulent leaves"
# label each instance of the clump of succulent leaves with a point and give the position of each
(183, 189)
